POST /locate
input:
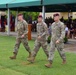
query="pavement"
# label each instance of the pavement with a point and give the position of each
(70, 46)
(33, 34)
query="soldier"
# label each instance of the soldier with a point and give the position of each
(40, 40)
(22, 31)
(57, 40)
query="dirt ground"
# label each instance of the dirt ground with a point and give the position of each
(71, 46)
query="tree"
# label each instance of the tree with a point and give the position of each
(32, 15)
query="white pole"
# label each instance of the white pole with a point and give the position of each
(68, 14)
(8, 22)
(0, 22)
(43, 12)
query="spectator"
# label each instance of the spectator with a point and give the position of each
(66, 31)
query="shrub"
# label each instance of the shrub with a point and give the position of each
(65, 40)
(49, 39)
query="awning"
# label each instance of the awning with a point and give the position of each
(60, 5)
(23, 3)
(36, 5)
(3, 4)
(54, 2)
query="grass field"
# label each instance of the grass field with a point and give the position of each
(21, 66)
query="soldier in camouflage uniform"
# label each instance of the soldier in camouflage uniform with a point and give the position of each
(22, 31)
(57, 40)
(41, 39)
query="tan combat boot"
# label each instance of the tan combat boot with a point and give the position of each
(14, 56)
(31, 59)
(49, 65)
(64, 62)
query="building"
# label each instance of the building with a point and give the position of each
(64, 14)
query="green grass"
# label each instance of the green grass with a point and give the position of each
(21, 66)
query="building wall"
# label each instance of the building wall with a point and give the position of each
(64, 14)
(49, 15)
(74, 15)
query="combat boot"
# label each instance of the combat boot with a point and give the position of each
(14, 56)
(31, 59)
(49, 65)
(64, 62)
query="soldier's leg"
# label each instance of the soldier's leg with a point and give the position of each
(51, 52)
(36, 48)
(60, 48)
(25, 44)
(51, 55)
(34, 53)
(44, 46)
(18, 41)
(17, 45)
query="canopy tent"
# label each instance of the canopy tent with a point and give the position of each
(36, 5)
(3, 4)
(23, 3)
(60, 6)
(53, 2)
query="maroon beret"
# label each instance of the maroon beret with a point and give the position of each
(56, 14)
(20, 14)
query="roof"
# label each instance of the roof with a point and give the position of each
(60, 5)
(53, 2)
(23, 3)
(3, 4)
(36, 5)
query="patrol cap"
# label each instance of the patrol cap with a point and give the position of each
(20, 14)
(40, 16)
(56, 14)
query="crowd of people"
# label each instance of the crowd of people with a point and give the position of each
(3, 23)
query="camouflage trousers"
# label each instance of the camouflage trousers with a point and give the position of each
(39, 44)
(24, 41)
(60, 48)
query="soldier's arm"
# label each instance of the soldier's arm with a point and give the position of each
(16, 28)
(26, 28)
(45, 30)
(62, 32)
(37, 30)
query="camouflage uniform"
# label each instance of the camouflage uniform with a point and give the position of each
(22, 28)
(58, 33)
(41, 31)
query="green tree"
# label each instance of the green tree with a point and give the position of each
(33, 15)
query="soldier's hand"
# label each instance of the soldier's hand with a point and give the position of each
(39, 37)
(57, 41)
(22, 36)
